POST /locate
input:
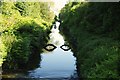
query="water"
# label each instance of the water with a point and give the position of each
(57, 64)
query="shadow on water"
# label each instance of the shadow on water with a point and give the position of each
(32, 64)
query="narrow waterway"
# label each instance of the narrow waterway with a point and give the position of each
(56, 64)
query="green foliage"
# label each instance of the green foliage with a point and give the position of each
(3, 52)
(23, 39)
(92, 29)
(35, 10)
(23, 33)
(8, 9)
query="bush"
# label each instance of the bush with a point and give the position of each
(23, 33)
(23, 40)
(89, 28)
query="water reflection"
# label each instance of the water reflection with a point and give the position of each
(55, 64)
(58, 63)
(55, 37)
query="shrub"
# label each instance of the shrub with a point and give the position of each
(89, 28)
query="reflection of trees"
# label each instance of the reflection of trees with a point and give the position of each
(56, 39)
(74, 76)
(34, 60)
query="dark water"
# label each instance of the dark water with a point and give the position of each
(56, 64)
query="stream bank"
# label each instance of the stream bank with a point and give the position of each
(92, 32)
(23, 32)
(58, 64)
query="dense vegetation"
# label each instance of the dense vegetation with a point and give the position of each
(23, 32)
(93, 30)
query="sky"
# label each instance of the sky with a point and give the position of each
(58, 4)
